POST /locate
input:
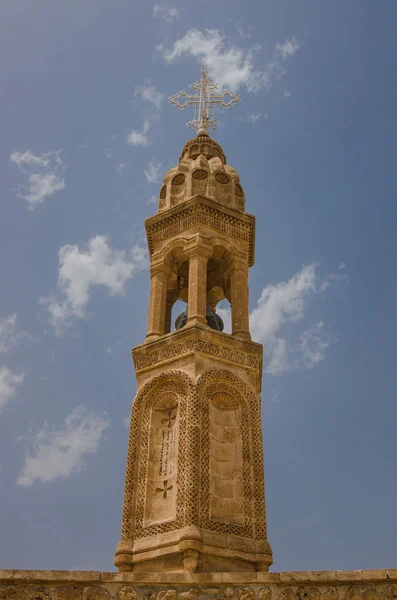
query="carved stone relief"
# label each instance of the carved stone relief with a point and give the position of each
(173, 350)
(69, 592)
(226, 460)
(126, 593)
(162, 460)
(277, 591)
(201, 214)
(96, 593)
(161, 390)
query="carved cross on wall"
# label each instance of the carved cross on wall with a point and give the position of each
(166, 488)
(169, 419)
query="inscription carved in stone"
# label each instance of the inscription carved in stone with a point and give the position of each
(163, 442)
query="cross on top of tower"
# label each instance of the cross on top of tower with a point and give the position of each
(208, 94)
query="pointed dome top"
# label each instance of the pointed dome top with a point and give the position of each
(204, 145)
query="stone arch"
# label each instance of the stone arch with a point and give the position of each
(247, 424)
(173, 382)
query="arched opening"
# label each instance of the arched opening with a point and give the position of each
(224, 310)
(177, 289)
(178, 308)
(218, 284)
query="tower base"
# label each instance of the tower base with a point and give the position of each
(193, 550)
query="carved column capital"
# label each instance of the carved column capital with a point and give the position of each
(159, 272)
(238, 263)
(159, 265)
(198, 247)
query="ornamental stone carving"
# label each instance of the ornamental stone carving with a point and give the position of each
(202, 169)
(330, 593)
(307, 593)
(31, 585)
(69, 592)
(388, 593)
(200, 211)
(166, 595)
(287, 594)
(126, 593)
(265, 594)
(193, 593)
(246, 594)
(96, 593)
(13, 592)
(40, 593)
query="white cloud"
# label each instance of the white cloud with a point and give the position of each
(226, 62)
(120, 168)
(60, 453)
(8, 336)
(288, 48)
(43, 176)
(127, 420)
(168, 13)
(242, 30)
(334, 279)
(150, 93)
(254, 117)
(29, 159)
(282, 302)
(152, 200)
(8, 384)
(41, 186)
(314, 342)
(279, 308)
(153, 172)
(287, 94)
(80, 270)
(139, 138)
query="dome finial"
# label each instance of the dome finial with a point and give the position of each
(203, 100)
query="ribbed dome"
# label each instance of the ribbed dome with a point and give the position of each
(204, 145)
(202, 171)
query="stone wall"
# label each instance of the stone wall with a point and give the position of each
(92, 585)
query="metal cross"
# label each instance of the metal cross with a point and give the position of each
(166, 488)
(203, 100)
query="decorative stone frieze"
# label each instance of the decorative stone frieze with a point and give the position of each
(308, 585)
(202, 211)
(210, 343)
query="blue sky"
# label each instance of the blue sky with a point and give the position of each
(87, 136)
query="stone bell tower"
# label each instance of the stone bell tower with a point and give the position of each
(194, 489)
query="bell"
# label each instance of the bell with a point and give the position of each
(213, 320)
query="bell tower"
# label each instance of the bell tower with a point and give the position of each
(194, 488)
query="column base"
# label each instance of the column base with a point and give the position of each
(196, 322)
(242, 335)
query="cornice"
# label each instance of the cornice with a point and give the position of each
(195, 340)
(202, 211)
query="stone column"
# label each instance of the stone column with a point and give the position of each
(239, 299)
(197, 294)
(168, 312)
(157, 303)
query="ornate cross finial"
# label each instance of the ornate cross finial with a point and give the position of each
(205, 98)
